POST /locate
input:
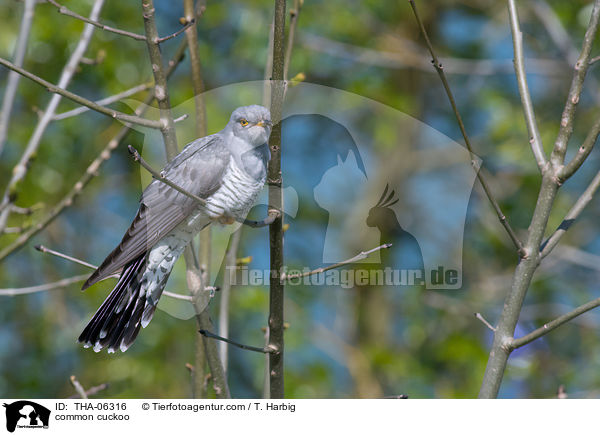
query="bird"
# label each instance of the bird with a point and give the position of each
(228, 170)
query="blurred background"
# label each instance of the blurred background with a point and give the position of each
(363, 341)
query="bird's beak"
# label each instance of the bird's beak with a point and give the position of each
(264, 123)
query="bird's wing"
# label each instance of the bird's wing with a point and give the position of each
(199, 169)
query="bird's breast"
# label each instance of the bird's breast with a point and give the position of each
(236, 195)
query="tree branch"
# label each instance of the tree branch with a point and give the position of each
(551, 326)
(582, 153)
(80, 390)
(103, 102)
(361, 256)
(209, 334)
(84, 101)
(276, 289)
(534, 134)
(581, 66)
(43, 287)
(230, 262)
(294, 14)
(439, 68)
(66, 11)
(570, 217)
(13, 78)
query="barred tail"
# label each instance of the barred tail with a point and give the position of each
(117, 322)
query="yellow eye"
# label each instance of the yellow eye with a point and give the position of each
(243, 122)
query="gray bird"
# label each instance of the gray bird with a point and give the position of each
(228, 169)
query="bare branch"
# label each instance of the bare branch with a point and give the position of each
(485, 322)
(84, 101)
(230, 262)
(582, 153)
(570, 217)
(361, 256)
(92, 391)
(13, 78)
(104, 102)
(581, 66)
(65, 11)
(209, 334)
(80, 390)
(189, 24)
(534, 134)
(274, 175)
(294, 14)
(45, 250)
(438, 66)
(43, 287)
(551, 326)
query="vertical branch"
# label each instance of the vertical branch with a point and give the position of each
(294, 13)
(534, 134)
(230, 262)
(581, 66)
(13, 77)
(191, 35)
(160, 79)
(274, 177)
(20, 170)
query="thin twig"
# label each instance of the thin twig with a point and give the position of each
(84, 101)
(13, 78)
(65, 11)
(582, 153)
(551, 326)
(80, 390)
(361, 256)
(535, 139)
(92, 391)
(570, 217)
(104, 102)
(45, 250)
(294, 14)
(580, 69)
(189, 24)
(241, 346)
(43, 287)
(21, 168)
(559, 35)
(230, 261)
(439, 68)
(485, 322)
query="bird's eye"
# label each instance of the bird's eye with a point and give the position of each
(243, 122)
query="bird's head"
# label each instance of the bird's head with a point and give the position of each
(251, 124)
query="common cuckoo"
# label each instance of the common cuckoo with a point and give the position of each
(228, 170)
